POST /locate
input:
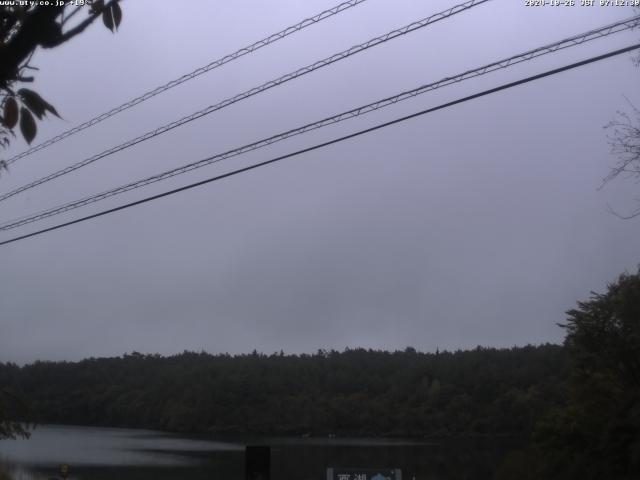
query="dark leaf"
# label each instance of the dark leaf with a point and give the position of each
(107, 19)
(10, 112)
(33, 102)
(27, 125)
(117, 14)
(53, 110)
(36, 103)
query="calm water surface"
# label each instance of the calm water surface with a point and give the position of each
(112, 453)
(122, 453)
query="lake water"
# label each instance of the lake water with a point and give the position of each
(112, 453)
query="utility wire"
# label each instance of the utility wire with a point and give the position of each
(195, 73)
(501, 64)
(254, 91)
(331, 142)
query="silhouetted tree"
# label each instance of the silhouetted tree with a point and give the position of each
(597, 432)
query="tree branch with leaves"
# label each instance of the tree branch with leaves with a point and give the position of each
(24, 29)
(14, 415)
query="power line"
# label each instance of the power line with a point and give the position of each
(195, 73)
(254, 91)
(331, 142)
(501, 64)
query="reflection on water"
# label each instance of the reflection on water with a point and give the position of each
(88, 446)
(114, 453)
(111, 453)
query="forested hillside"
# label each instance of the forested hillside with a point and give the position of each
(355, 392)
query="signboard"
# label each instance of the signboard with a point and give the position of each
(364, 474)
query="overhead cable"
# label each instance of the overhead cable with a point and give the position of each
(254, 91)
(501, 64)
(331, 142)
(195, 73)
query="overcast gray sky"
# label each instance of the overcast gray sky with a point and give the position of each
(476, 225)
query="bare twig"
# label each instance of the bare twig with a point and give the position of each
(624, 140)
(635, 214)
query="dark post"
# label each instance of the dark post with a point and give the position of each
(257, 462)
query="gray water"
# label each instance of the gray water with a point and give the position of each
(112, 453)
(94, 452)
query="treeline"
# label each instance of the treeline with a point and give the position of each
(356, 392)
